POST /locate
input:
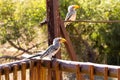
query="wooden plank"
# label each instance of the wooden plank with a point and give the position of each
(118, 73)
(106, 73)
(39, 69)
(31, 70)
(68, 66)
(15, 74)
(23, 71)
(68, 44)
(90, 21)
(43, 73)
(6, 69)
(50, 74)
(49, 70)
(78, 73)
(35, 73)
(91, 72)
(57, 71)
(0, 73)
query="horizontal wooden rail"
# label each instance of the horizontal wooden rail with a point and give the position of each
(69, 66)
(88, 21)
(91, 21)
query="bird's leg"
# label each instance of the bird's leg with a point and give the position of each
(53, 58)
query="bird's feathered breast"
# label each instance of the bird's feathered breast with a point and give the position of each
(69, 15)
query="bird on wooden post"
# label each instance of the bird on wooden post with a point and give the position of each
(71, 15)
(52, 49)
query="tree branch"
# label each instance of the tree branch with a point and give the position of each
(102, 21)
(19, 48)
(10, 57)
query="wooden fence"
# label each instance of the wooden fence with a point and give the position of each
(38, 70)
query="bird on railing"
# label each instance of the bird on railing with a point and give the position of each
(71, 15)
(51, 50)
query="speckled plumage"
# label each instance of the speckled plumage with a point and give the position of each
(52, 49)
(71, 15)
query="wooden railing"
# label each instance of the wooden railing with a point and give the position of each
(38, 70)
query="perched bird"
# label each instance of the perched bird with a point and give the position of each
(52, 49)
(71, 15)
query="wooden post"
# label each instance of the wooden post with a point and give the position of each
(39, 70)
(57, 71)
(118, 73)
(53, 19)
(78, 73)
(68, 45)
(6, 69)
(0, 73)
(31, 70)
(54, 24)
(91, 68)
(23, 71)
(15, 69)
(106, 73)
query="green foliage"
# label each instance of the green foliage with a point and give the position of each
(103, 38)
(18, 19)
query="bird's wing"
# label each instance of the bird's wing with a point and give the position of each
(51, 49)
(69, 14)
(34, 56)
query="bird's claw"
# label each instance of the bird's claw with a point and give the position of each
(53, 59)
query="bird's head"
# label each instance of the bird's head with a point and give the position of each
(76, 6)
(73, 7)
(59, 40)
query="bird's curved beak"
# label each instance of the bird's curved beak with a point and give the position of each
(62, 40)
(76, 6)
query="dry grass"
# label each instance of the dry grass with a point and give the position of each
(7, 49)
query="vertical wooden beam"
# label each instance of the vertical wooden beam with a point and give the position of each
(68, 45)
(40, 72)
(43, 73)
(0, 73)
(6, 69)
(57, 71)
(91, 67)
(23, 71)
(78, 73)
(106, 73)
(35, 73)
(49, 71)
(38, 69)
(31, 70)
(53, 19)
(49, 75)
(118, 73)
(15, 69)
